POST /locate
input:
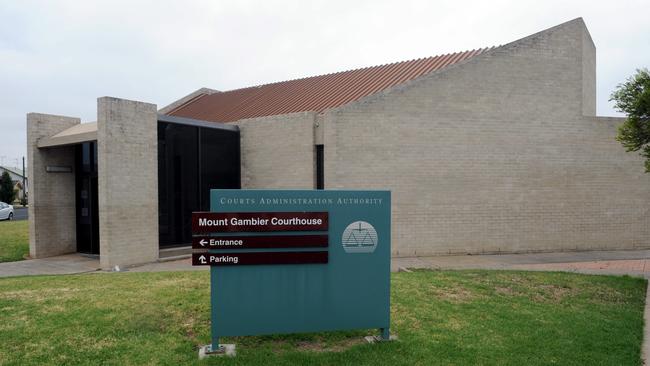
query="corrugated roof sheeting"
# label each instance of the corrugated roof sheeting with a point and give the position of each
(316, 93)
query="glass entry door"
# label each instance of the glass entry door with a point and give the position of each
(86, 198)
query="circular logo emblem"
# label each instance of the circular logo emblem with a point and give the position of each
(359, 237)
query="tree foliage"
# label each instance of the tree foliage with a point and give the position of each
(633, 98)
(7, 193)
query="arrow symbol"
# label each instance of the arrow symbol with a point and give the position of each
(203, 242)
(202, 259)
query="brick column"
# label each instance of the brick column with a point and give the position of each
(127, 145)
(52, 217)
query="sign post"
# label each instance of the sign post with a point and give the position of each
(293, 261)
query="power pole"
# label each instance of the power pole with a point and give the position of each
(24, 186)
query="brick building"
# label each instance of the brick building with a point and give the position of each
(485, 151)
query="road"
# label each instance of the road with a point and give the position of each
(20, 213)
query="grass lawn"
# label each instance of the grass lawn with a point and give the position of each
(441, 317)
(14, 240)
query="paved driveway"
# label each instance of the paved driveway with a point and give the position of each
(20, 213)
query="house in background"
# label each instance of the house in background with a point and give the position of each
(17, 178)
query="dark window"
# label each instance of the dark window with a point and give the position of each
(320, 167)
(219, 162)
(178, 181)
(86, 198)
(85, 156)
(191, 161)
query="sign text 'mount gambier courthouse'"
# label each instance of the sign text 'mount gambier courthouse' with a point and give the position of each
(259, 221)
(292, 261)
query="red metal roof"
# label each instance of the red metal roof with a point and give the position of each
(316, 93)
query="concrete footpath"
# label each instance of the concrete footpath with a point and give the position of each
(624, 262)
(630, 262)
(62, 264)
(621, 262)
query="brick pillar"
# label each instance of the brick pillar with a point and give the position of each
(127, 145)
(52, 216)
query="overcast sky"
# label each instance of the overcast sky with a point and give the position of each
(58, 56)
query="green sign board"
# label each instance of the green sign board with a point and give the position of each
(292, 261)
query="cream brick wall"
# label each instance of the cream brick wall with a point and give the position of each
(127, 147)
(588, 74)
(495, 155)
(52, 217)
(278, 151)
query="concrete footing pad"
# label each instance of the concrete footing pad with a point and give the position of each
(378, 339)
(645, 346)
(223, 350)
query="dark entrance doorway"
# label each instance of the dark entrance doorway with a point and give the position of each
(86, 198)
(193, 157)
